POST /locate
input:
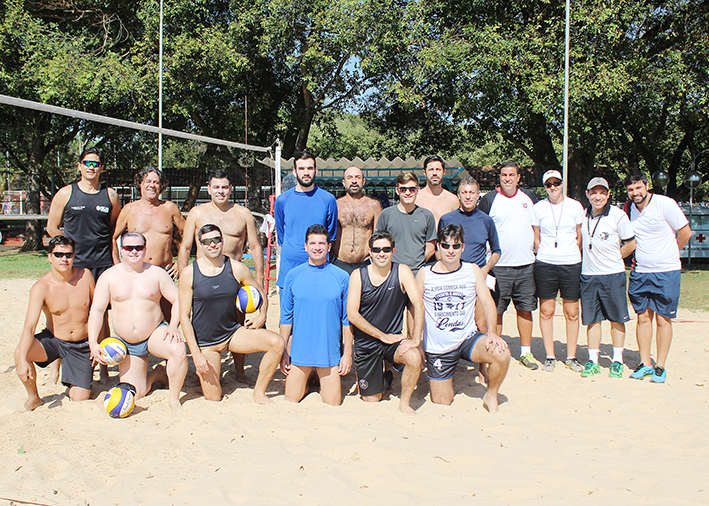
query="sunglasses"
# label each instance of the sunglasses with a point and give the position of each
(385, 249)
(549, 185)
(445, 245)
(210, 241)
(408, 189)
(91, 163)
(139, 247)
(62, 254)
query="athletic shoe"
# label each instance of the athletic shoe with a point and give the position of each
(590, 369)
(549, 365)
(641, 372)
(574, 365)
(659, 375)
(616, 370)
(528, 361)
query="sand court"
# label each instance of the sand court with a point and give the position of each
(558, 438)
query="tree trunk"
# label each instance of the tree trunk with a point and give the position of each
(33, 231)
(581, 170)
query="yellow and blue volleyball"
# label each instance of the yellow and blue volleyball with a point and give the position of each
(113, 350)
(248, 299)
(120, 400)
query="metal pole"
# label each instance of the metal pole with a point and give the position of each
(689, 243)
(160, 95)
(566, 100)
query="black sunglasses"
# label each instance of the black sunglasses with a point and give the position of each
(211, 240)
(549, 185)
(139, 247)
(445, 245)
(62, 254)
(385, 249)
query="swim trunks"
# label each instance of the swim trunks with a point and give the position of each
(77, 369)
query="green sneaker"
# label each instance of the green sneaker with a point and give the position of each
(528, 361)
(616, 370)
(574, 365)
(590, 369)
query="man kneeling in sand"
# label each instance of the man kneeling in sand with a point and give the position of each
(134, 288)
(208, 291)
(450, 289)
(64, 296)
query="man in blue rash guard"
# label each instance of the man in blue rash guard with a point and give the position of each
(297, 209)
(314, 322)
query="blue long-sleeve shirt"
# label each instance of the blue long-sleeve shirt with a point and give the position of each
(479, 230)
(296, 211)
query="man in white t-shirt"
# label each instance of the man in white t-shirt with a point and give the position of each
(607, 237)
(661, 230)
(450, 290)
(511, 208)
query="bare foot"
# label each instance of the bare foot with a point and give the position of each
(54, 371)
(175, 405)
(158, 375)
(33, 403)
(406, 409)
(262, 399)
(490, 403)
(482, 374)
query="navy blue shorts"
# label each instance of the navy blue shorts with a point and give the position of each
(658, 291)
(603, 298)
(516, 284)
(442, 366)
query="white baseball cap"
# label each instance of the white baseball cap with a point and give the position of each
(597, 181)
(550, 174)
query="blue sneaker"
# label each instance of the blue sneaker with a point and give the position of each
(642, 371)
(659, 375)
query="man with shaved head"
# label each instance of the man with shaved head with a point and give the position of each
(357, 216)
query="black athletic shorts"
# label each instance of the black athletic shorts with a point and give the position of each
(349, 268)
(553, 279)
(516, 284)
(442, 366)
(77, 369)
(369, 366)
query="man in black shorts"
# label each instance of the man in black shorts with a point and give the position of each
(208, 291)
(378, 294)
(64, 296)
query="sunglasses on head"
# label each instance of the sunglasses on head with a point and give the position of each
(385, 249)
(211, 240)
(445, 245)
(63, 254)
(91, 163)
(139, 247)
(550, 184)
(408, 189)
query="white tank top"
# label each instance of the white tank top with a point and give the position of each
(449, 301)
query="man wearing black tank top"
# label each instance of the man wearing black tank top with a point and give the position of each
(88, 211)
(378, 294)
(208, 291)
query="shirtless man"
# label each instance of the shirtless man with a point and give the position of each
(134, 288)
(64, 296)
(434, 197)
(208, 292)
(357, 216)
(152, 217)
(236, 223)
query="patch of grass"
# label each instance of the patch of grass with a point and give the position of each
(693, 293)
(15, 265)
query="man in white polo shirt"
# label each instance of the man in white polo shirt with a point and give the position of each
(607, 238)
(661, 230)
(511, 209)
